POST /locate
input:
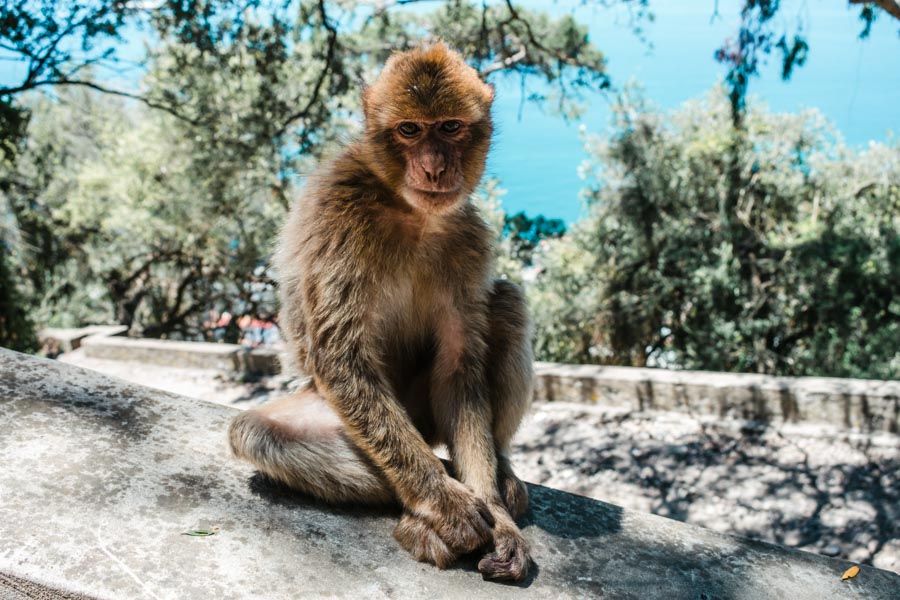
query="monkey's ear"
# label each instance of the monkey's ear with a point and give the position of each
(488, 91)
(366, 101)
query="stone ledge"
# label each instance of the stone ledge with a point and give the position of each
(203, 355)
(69, 339)
(855, 404)
(101, 477)
(851, 404)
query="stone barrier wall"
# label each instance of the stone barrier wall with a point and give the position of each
(853, 404)
(856, 404)
(108, 343)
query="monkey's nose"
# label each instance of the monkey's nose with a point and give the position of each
(434, 173)
(433, 166)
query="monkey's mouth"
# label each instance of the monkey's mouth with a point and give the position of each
(439, 196)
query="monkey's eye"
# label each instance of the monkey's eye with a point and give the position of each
(451, 126)
(409, 129)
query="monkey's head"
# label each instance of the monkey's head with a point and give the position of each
(428, 127)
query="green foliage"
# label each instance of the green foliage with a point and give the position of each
(131, 221)
(488, 198)
(16, 328)
(56, 39)
(722, 237)
(760, 33)
(769, 249)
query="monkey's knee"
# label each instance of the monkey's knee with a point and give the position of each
(300, 442)
(508, 311)
(510, 370)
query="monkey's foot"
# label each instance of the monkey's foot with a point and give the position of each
(419, 539)
(514, 493)
(510, 559)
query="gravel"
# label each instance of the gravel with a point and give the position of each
(816, 489)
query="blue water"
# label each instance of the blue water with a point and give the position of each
(855, 83)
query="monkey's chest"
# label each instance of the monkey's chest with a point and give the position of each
(406, 311)
(414, 307)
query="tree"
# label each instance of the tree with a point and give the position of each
(525, 233)
(16, 328)
(656, 275)
(244, 96)
(758, 36)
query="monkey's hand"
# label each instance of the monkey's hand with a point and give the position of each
(444, 524)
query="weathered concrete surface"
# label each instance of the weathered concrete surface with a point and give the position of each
(857, 404)
(204, 355)
(69, 339)
(817, 488)
(100, 478)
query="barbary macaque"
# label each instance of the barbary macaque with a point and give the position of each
(388, 302)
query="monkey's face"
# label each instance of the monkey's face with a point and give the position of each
(434, 176)
(429, 127)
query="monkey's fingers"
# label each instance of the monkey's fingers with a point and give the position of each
(510, 559)
(465, 529)
(420, 540)
(464, 521)
(485, 513)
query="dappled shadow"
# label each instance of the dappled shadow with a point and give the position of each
(839, 497)
(31, 386)
(570, 516)
(255, 394)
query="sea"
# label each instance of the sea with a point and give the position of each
(855, 83)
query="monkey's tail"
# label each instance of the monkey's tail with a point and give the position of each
(327, 465)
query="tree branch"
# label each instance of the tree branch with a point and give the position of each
(506, 63)
(892, 7)
(562, 57)
(326, 69)
(94, 86)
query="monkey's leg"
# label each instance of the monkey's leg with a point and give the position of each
(300, 441)
(509, 375)
(510, 380)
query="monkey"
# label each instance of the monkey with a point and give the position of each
(389, 304)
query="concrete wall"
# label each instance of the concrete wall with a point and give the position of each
(854, 404)
(860, 404)
(108, 343)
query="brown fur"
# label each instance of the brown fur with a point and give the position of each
(388, 303)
